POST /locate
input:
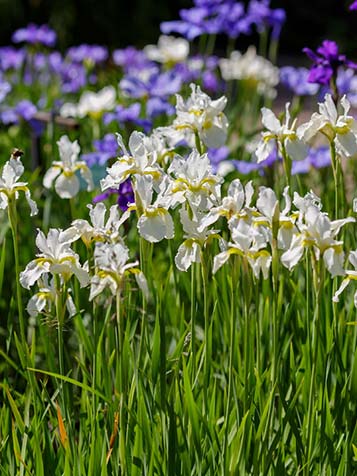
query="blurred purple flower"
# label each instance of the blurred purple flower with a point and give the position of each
(217, 155)
(5, 88)
(326, 61)
(131, 59)
(34, 34)
(106, 148)
(23, 110)
(11, 58)
(296, 79)
(156, 88)
(353, 5)
(264, 17)
(88, 53)
(73, 77)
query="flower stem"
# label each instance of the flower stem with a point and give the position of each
(12, 214)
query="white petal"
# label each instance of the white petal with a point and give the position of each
(270, 121)
(32, 273)
(50, 175)
(67, 186)
(339, 291)
(188, 253)
(220, 260)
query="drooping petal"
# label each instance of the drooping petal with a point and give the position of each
(67, 186)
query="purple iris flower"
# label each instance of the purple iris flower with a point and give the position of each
(106, 149)
(209, 17)
(123, 114)
(126, 115)
(320, 157)
(11, 58)
(73, 76)
(23, 110)
(296, 79)
(264, 17)
(124, 192)
(157, 106)
(210, 82)
(88, 53)
(245, 167)
(34, 34)
(326, 60)
(156, 87)
(217, 155)
(131, 59)
(234, 19)
(353, 6)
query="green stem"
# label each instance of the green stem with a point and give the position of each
(208, 344)
(12, 214)
(122, 384)
(314, 351)
(287, 164)
(193, 321)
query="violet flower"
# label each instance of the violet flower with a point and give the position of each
(327, 61)
(353, 6)
(126, 115)
(131, 59)
(124, 192)
(11, 58)
(93, 54)
(106, 149)
(265, 17)
(34, 34)
(296, 79)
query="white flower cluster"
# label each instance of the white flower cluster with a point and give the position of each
(56, 261)
(250, 67)
(163, 181)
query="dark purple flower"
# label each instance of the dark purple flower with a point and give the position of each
(353, 5)
(34, 34)
(124, 192)
(326, 61)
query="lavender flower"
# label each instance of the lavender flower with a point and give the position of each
(353, 5)
(88, 54)
(34, 34)
(296, 79)
(264, 17)
(11, 58)
(131, 59)
(106, 149)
